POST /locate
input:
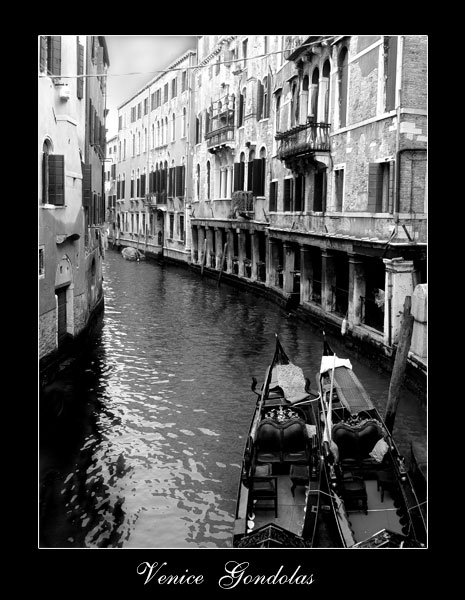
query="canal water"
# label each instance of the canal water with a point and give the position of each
(146, 449)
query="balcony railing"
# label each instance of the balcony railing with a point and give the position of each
(220, 136)
(155, 198)
(303, 139)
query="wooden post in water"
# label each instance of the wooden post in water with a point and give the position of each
(400, 364)
(223, 258)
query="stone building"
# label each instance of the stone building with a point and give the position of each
(111, 161)
(71, 140)
(310, 162)
(154, 164)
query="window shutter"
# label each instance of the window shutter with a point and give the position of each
(179, 182)
(80, 69)
(123, 189)
(241, 110)
(259, 100)
(55, 62)
(43, 53)
(257, 177)
(118, 189)
(374, 185)
(273, 195)
(242, 176)
(86, 184)
(56, 179)
(132, 188)
(237, 176)
(391, 72)
(250, 176)
(287, 194)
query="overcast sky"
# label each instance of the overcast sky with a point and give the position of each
(138, 54)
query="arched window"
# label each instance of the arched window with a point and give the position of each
(184, 122)
(166, 130)
(266, 98)
(132, 184)
(152, 141)
(208, 180)
(314, 95)
(53, 176)
(123, 187)
(325, 90)
(304, 99)
(158, 133)
(242, 101)
(138, 184)
(120, 157)
(145, 139)
(342, 65)
(173, 127)
(294, 103)
(138, 142)
(133, 144)
(124, 149)
(278, 112)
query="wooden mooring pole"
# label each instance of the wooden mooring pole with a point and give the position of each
(400, 364)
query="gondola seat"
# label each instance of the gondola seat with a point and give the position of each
(268, 442)
(356, 443)
(354, 493)
(295, 442)
(264, 489)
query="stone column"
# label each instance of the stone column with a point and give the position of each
(230, 253)
(272, 262)
(289, 262)
(328, 276)
(209, 234)
(195, 245)
(357, 288)
(399, 283)
(242, 254)
(219, 247)
(255, 254)
(306, 274)
(419, 345)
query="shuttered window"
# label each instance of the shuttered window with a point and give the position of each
(241, 111)
(287, 197)
(299, 196)
(339, 185)
(391, 69)
(142, 185)
(273, 196)
(258, 176)
(259, 100)
(237, 176)
(380, 186)
(54, 55)
(56, 179)
(86, 184)
(43, 53)
(132, 188)
(179, 181)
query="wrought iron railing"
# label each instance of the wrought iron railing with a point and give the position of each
(220, 136)
(303, 139)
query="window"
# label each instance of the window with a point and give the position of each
(139, 110)
(319, 191)
(339, 188)
(278, 112)
(171, 226)
(41, 262)
(133, 114)
(138, 184)
(240, 120)
(390, 69)
(182, 236)
(208, 180)
(342, 80)
(273, 196)
(53, 177)
(174, 91)
(299, 193)
(184, 122)
(146, 106)
(217, 66)
(288, 192)
(80, 70)
(244, 53)
(173, 127)
(380, 186)
(165, 98)
(152, 101)
(138, 142)
(198, 181)
(239, 173)
(184, 81)
(50, 54)
(120, 123)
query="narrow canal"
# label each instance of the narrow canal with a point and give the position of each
(146, 452)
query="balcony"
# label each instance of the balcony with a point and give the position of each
(156, 198)
(303, 140)
(224, 136)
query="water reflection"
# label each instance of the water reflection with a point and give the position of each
(148, 452)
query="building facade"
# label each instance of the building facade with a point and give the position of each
(71, 140)
(308, 177)
(155, 164)
(111, 161)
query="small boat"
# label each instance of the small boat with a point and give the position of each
(370, 487)
(131, 253)
(279, 490)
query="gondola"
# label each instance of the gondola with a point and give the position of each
(279, 489)
(370, 487)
